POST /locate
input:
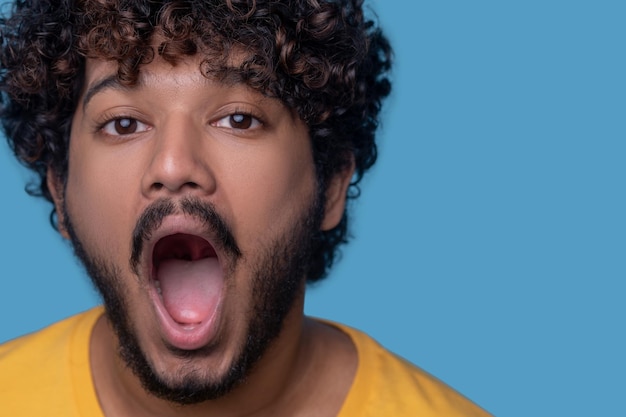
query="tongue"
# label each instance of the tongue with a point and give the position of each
(190, 289)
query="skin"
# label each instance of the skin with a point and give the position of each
(260, 179)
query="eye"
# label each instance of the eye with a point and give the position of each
(124, 126)
(240, 121)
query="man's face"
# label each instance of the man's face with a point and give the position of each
(192, 204)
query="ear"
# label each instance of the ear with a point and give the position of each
(336, 195)
(55, 186)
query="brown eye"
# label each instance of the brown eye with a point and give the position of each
(238, 121)
(124, 126)
(241, 121)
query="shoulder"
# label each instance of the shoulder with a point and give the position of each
(49, 337)
(42, 365)
(386, 384)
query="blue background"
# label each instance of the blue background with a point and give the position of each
(489, 240)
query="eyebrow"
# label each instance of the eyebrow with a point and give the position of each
(110, 82)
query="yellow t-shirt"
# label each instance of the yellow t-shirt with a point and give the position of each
(47, 373)
(387, 385)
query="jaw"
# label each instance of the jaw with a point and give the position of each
(250, 326)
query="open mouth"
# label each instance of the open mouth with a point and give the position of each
(188, 278)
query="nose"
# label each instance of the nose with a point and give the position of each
(178, 161)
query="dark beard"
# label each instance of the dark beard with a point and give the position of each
(278, 281)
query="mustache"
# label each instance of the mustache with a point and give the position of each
(153, 216)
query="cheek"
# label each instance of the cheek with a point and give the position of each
(98, 201)
(268, 192)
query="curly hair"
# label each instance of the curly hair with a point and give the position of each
(322, 58)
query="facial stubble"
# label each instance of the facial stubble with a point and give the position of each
(278, 276)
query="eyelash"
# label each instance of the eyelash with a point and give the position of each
(137, 124)
(108, 119)
(254, 120)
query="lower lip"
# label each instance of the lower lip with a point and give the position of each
(185, 336)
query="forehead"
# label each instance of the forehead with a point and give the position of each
(230, 67)
(156, 71)
(102, 75)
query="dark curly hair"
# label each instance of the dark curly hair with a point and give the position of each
(322, 58)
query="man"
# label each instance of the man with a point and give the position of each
(199, 155)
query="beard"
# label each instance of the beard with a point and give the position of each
(278, 277)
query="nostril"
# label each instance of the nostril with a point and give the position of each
(176, 186)
(191, 185)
